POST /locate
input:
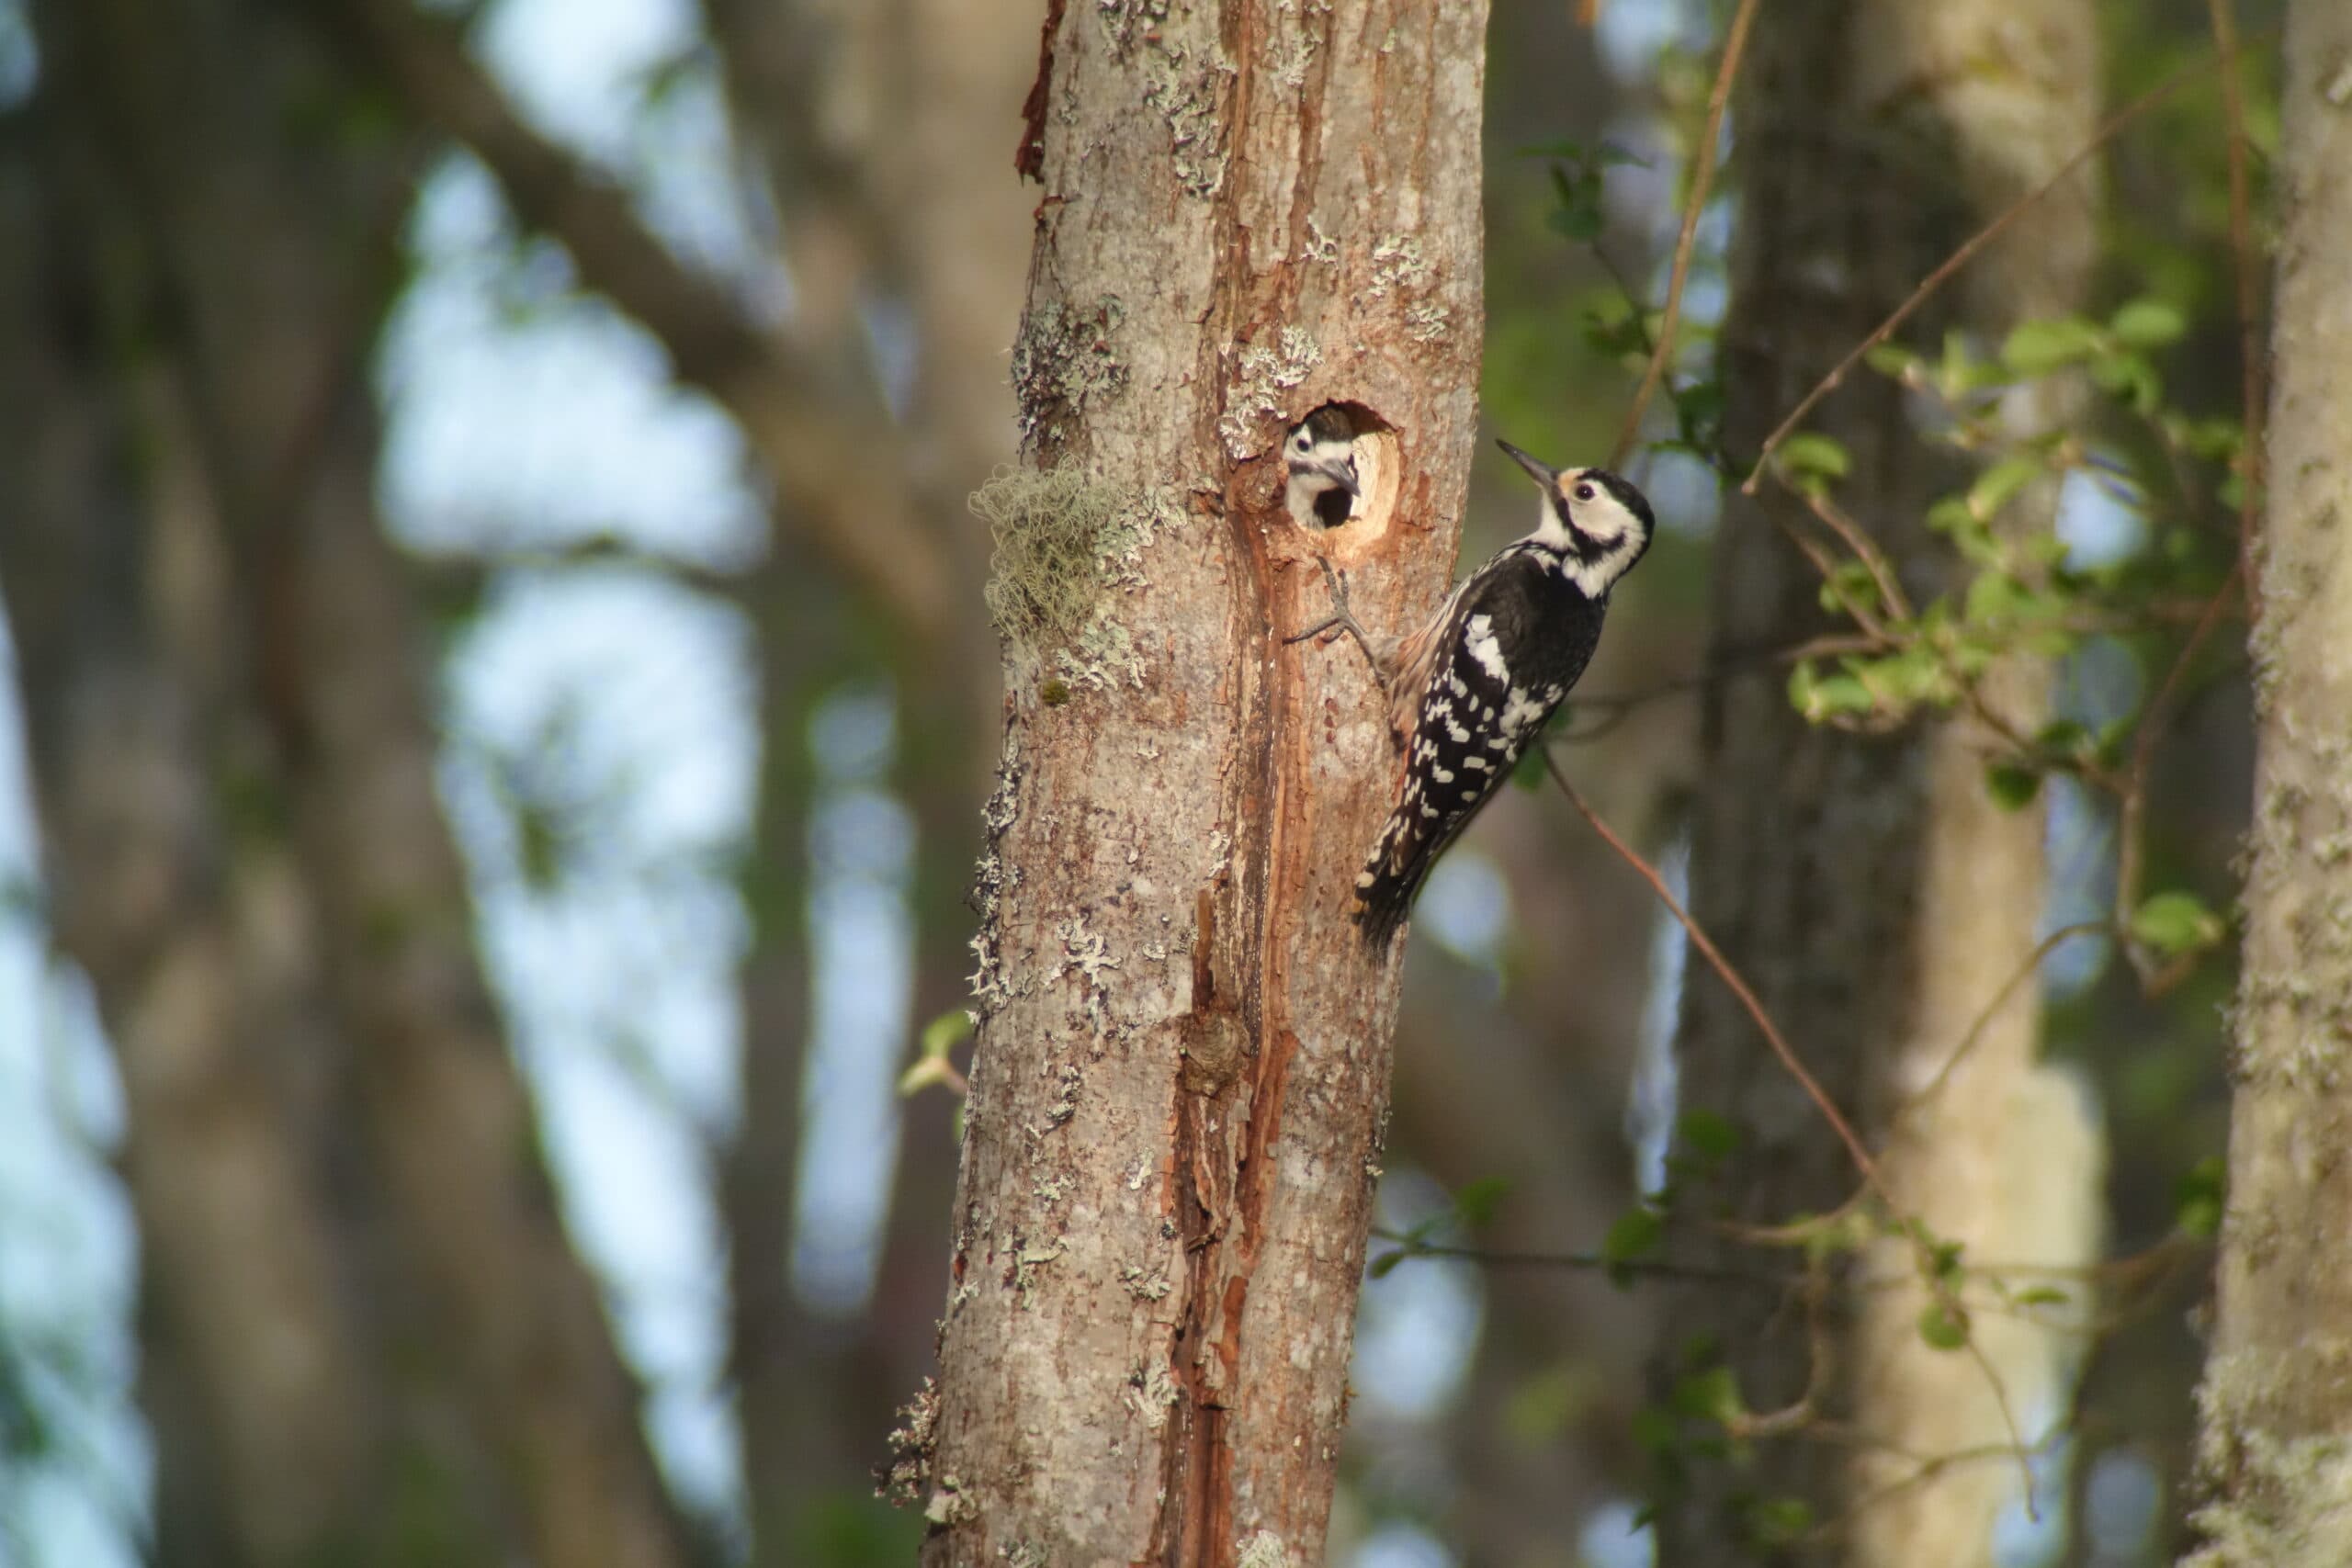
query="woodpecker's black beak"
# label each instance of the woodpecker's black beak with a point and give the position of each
(1545, 475)
(1343, 472)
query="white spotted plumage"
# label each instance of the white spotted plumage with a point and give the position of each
(1478, 680)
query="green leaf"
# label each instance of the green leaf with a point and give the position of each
(1779, 1522)
(1820, 696)
(1710, 1395)
(2036, 348)
(1951, 514)
(2131, 379)
(1996, 486)
(946, 1031)
(2198, 1196)
(2174, 922)
(930, 1066)
(2042, 1295)
(1890, 359)
(1994, 597)
(1385, 1264)
(2216, 440)
(1636, 1233)
(1944, 1325)
(2148, 324)
(1577, 213)
(2062, 737)
(1809, 454)
(1475, 1204)
(1707, 1134)
(1656, 1430)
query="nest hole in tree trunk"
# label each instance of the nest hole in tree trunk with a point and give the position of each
(1379, 477)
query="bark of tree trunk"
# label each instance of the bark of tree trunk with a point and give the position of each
(2275, 1402)
(1868, 888)
(1174, 1126)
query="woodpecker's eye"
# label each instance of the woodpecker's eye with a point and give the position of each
(1304, 443)
(1584, 492)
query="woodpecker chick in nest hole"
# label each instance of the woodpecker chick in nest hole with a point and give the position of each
(1321, 456)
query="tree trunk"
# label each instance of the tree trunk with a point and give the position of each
(2275, 1402)
(1174, 1125)
(269, 258)
(1868, 887)
(269, 1421)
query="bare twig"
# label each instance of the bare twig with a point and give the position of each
(2131, 813)
(1739, 987)
(1865, 549)
(1702, 175)
(1984, 1021)
(1653, 1267)
(1964, 256)
(1922, 1251)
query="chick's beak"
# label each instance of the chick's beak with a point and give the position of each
(1341, 471)
(1545, 474)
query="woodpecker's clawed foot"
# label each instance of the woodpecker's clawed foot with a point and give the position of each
(1342, 619)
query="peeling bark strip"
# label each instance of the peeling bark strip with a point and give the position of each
(2275, 1402)
(1251, 210)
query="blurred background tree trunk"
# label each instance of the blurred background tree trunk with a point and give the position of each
(898, 220)
(282, 844)
(2273, 1405)
(1868, 886)
(1169, 1156)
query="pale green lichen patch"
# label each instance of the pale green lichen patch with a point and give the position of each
(1051, 532)
(2290, 1506)
(1123, 21)
(1065, 360)
(2279, 1499)
(1260, 378)
(1265, 1550)
(1183, 89)
(1064, 540)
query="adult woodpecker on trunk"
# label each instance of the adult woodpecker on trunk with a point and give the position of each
(1476, 682)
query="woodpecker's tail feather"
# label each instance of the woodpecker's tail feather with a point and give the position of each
(1386, 904)
(1399, 863)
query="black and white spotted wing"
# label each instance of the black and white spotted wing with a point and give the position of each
(1476, 709)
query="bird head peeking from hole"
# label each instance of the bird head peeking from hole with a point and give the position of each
(1320, 454)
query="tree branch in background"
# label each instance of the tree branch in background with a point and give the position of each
(1739, 987)
(1967, 251)
(1702, 176)
(825, 438)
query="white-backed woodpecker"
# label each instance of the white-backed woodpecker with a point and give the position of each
(1476, 682)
